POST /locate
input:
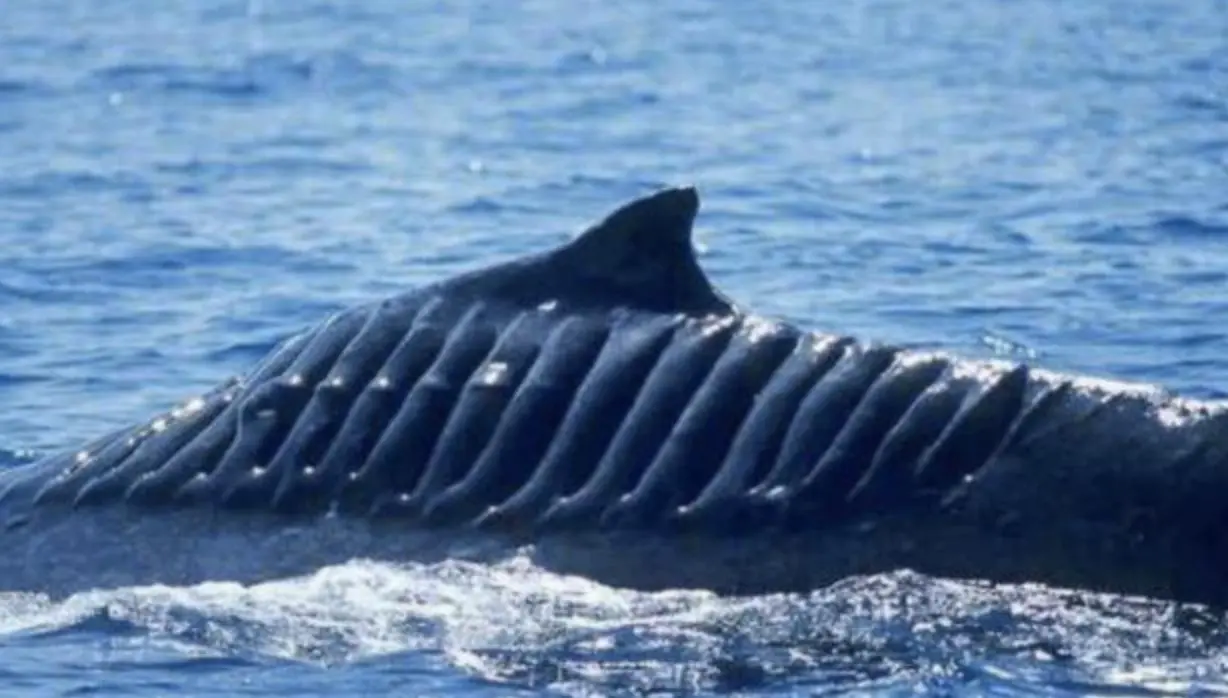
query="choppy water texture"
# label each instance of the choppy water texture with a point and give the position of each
(184, 182)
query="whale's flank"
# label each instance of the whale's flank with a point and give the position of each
(515, 418)
(605, 387)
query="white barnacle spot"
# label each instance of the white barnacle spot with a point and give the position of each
(820, 342)
(777, 493)
(257, 470)
(909, 359)
(713, 325)
(295, 380)
(335, 382)
(403, 498)
(493, 373)
(548, 305)
(352, 475)
(1101, 387)
(158, 425)
(381, 382)
(193, 406)
(980, 371)
(309, 471)
(758, 329)
(82, 457)
(701, 247)
(1178, 411)
(1170, 411)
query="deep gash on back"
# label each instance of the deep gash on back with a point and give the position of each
(603, 393)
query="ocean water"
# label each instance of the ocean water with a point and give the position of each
(184, 182)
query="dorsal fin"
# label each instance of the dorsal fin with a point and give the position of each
(642, 255)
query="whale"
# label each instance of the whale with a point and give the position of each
(602, 407)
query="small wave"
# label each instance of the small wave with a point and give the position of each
(255, 164)
(10, 458)
(257, 76)
(242, 353)
(1159, 228)
(1183, 227)
(68, 183)
(227, 82)
(10, 87)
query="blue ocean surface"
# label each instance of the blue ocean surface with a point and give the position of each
(185, 182)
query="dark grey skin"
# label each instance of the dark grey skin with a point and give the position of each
(602, 403)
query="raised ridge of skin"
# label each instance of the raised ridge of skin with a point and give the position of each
(820, 418)
(369, 417)
(382, 486)
(822, 492)
(150, 483)
(481, 405)
(699, 441)
(974, 433)
(722, 504)
(886, 482)
(684, 366)
(269, 413)
(605, 395)
(298, 457)
(530, 423)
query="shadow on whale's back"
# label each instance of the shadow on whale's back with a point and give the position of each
(604, 403)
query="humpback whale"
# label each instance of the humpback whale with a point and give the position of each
(603, 404)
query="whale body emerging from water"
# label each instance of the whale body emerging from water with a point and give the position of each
(604, 404)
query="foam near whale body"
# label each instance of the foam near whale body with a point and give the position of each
(605, 391)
